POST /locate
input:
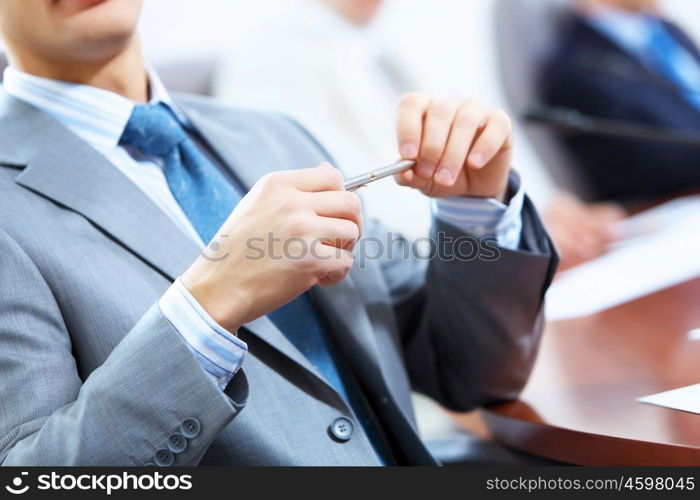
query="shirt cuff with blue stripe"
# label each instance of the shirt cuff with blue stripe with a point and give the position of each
(486, 217)
(219, 352)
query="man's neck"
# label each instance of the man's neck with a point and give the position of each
(123, 74)
(592, 6)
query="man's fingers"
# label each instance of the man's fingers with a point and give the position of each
(405, 178)
(336, 264)
(321, 178)
(453, 135)
(339, 205)
(412, 180)
(412, 108)
(340, 233)
(468, 119)
(495, 136)
(436, 130)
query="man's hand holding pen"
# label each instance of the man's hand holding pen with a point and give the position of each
(460, 148)
(307, 225)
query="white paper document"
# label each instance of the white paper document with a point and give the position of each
(660, 249)
(684, 399)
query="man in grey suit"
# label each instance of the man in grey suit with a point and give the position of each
(152, 312)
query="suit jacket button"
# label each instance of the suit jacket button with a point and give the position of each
(164, 458)
(341, 429)
(190, 428)
(177, 443)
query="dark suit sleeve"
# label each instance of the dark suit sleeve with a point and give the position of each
(471, 328)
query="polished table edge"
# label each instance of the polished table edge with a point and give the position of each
(583, 448)
(580, 405)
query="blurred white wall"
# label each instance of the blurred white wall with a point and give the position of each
(686, 13)
(452, 40)
(184, 28)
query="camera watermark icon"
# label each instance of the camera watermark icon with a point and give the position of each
(213, 251)
(16, 488)
(108, 483)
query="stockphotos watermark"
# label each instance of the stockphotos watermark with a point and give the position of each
(100, 483)
(442, 246)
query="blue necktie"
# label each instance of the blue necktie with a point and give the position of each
(673, 61)
(207, 198)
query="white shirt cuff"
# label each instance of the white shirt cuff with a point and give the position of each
(219, 352)
(486, 217)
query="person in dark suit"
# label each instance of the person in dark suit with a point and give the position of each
(619, 59)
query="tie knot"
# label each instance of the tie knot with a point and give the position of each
(153, 130)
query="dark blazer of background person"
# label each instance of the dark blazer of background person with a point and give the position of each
(591, 73)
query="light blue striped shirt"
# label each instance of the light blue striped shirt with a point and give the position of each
(486, 217)
(99, 118)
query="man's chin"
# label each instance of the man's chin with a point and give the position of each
(70, 7)
(96, 12)
(96, 28)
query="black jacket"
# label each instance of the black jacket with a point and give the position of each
(594, 75)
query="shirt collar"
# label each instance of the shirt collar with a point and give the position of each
(632, 31)
(96, 115)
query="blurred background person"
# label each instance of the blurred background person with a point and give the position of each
(327, 64)
(321, 62)
(620, 59)
(581, 231)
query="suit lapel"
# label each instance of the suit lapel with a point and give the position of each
(236, 149)
(353, 331)
(71, 173)
(61, 167)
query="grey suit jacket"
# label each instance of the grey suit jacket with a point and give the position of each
(92, 373)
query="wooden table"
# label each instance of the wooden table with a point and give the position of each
(579, 406)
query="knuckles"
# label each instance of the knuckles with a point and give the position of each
(466, 118)
(471, 104)
(431, 151)
(292, 204)
(333, 176)
(353, 232)
(337, 181)
(504, 118)
(442, 109)
(353, 203)
(300, 226)
(271, 182)
(412, 99)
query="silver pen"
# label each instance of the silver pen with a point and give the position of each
(362, 180)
